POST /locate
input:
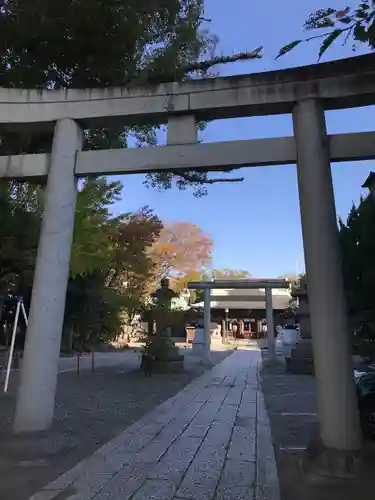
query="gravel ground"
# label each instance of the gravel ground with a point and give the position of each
(90, 410)
(291, 405)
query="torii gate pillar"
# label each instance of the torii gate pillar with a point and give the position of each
(37, 389)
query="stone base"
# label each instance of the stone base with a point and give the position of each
(301, 366)
(321, 464)
(168, 366)
(216, 341)
(199, 346)
(301, 361)
(167, 357)
(198, 349)
(206, 361)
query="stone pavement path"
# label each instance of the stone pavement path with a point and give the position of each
(209, 442)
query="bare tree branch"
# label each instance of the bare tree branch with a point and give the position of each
(153, 77)
(205, 65)
(199, 180)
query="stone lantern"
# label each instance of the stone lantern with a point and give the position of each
(301, 359)
(303, 311)
(163, 296)
(162, 348)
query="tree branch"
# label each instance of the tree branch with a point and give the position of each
(199, 180)
(215, 181)
(205, 65)
(153, 76)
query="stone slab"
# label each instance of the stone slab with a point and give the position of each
(155, 489)
(227, 414)
(218, 435)
(237, 493)
(196, 430)
(203, 475)
(210, 442)
(238, 473)
(44, 495)
(126, 483)
(242, 445)
(176, 461)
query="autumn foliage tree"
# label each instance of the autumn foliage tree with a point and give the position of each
(230, 274)
(181, 250)
(219, 274)
(129, 241)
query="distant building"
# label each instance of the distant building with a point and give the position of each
(244, 311)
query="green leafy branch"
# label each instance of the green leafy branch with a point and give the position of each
(359, 23)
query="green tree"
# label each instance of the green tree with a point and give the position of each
(357, 240)
(114, 285)
(106, 252)
(355, 24)
(92, 43)
(21, 208)
(104, 43)
(93, 225)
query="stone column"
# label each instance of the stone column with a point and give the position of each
(36, 393)
(336, 399)
(207, 320)
(182, 129)
(270, 324)
(224, 332)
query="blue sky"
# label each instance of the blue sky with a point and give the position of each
(256, 224)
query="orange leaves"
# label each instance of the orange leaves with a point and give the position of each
(340, 14)
(131, 238)
(181, 249)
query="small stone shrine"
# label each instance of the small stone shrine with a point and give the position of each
(161, 346)
(301, 360)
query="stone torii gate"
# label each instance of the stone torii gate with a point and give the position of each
(240, 284)
(304, 92)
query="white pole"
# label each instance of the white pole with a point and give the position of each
(11, 349)
(24, 313)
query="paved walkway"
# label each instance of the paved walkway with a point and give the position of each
(209, 442)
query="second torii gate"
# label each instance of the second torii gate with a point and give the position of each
(240, 284)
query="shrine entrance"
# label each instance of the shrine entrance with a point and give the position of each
(304, 92)
(237, 327)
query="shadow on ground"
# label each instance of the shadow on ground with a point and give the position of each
(291, 406)
(90, 410)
